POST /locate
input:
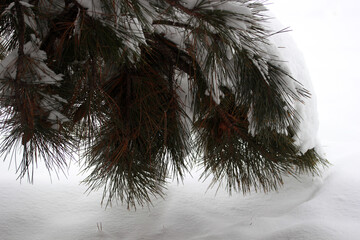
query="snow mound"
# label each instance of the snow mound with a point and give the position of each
(306, 137)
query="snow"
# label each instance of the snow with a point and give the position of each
(93, 7)
(57, 116)
(44, 74)
(25, 4)
(321, 208)
(236, 7)
(11, 5)
(190, 4)
(313, 208)
(306, 137)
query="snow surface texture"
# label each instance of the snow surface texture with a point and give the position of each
(326, 208)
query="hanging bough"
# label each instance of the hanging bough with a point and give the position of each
(147, 89)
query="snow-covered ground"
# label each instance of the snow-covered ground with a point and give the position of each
(326, 207)
(313, 208)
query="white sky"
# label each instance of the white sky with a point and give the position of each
(328, 34)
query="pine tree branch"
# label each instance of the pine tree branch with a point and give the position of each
(21, 96)
(21, 29)
(59, 26)
(117, 77)
(182, 60)
(225, 117)
(172, 23)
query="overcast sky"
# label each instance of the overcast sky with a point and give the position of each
(328, 34)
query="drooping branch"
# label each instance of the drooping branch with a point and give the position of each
(116, 76)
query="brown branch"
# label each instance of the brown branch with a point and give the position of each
(172, 23)
(21, 36)
(184, 61)
(24, 102)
